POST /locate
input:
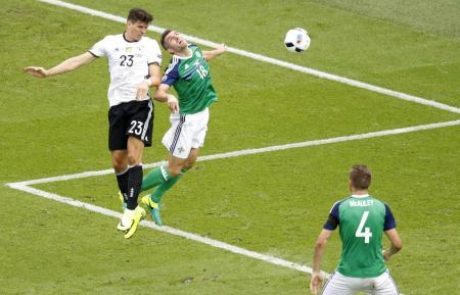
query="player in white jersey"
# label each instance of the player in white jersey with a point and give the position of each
(134, 64)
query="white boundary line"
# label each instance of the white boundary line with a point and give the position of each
(259, 57)
(257, 150)
(165, 229)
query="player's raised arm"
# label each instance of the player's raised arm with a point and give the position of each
(210, 54)
(67, 65)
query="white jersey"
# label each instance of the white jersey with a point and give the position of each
(128, 64)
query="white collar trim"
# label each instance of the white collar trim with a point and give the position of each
(360, 196)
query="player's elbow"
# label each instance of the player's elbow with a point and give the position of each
(320, 244)
(396, 242)
(397, 245)
(156, 81)
(160, 95)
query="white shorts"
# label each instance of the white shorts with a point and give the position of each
(339, 284)
(187, 131)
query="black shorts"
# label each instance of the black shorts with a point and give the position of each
(134, 118)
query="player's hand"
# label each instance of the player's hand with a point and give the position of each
(173, 103)
(316, 282)
(221, 48)
(386, 255)
(36, 71)
(142, 90)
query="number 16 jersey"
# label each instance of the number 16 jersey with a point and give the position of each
(192, 81)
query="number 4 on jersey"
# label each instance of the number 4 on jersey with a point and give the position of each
(366, 234)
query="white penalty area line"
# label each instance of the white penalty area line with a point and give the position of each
(165, 229)
(25, 187)
(259, 57)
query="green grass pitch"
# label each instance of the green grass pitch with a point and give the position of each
(273, 203)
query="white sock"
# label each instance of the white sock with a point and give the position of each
(127, 217)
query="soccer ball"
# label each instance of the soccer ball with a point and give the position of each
(297, 40)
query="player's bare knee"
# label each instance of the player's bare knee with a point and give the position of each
(119, 164)
(119, 167)
(174, 171)
(133, 159)
(189, 165)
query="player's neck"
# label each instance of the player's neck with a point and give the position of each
(184, 53)
(357, 192)
(128, 37)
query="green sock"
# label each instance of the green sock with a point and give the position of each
(165, 186)
(155, 177)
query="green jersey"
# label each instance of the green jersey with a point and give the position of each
(362, 221)
(192, 81)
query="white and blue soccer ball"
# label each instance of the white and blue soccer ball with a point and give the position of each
(297, 40)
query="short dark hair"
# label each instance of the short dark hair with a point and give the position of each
(163, 37)
(360, 176)
(139, 14)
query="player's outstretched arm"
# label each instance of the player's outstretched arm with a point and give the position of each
(210, 54)
(67, 65)
(320, 246)
(396, 243)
